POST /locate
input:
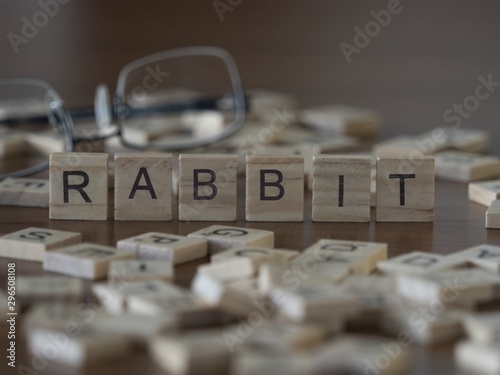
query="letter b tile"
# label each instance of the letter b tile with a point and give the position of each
(275, 188)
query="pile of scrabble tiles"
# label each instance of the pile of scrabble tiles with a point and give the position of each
(253, 309)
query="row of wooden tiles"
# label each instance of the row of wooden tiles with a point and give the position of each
(207, 189)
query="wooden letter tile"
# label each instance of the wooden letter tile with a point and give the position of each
(478, 358)
(466, 167)
(32, 243)
(163, 246)
(493, 215)
(405, 189)
(341, 188)
(143, 187)
(135, 270)
(86, 260)
(78, 186)
(275, 188)
(418, 262)
(35, 288)
(207, 187)
(483, 327)
(257, 254)
(484, 193)
(484, 256)
(24, 192)
(221, 237)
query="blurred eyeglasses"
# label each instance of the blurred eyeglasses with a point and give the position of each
(169, 101)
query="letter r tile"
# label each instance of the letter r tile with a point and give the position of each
(78, 186)
(275, 188)
(207, 187)
(405, 189)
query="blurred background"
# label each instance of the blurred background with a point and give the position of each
(427, 57)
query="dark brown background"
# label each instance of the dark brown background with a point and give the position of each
(426, 59)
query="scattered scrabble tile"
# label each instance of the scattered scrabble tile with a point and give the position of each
(82, 347)
(426, 326)
(470, 140)
(275, 188)
(86, 260)
(114, 296)
(400, 146)
(34, 288)
(405, 189)
(418, 262)
(484, 256)
(483, 327)
(24, 192)
(478, 358)
(143, 187)
(165, 247)
(12, 144)
(221, 237)
(360, 257)
(342, 119)
(314, 301)
(266, 105)
(78, 186)
(207, 187)
(341, 188)
(191, 352)
(145, 131)
(466, 167)
(295, 135)
(455, 286)
(364, 355)
(313, 266)
(60, 315)
(46, 142)
(135, 327)
(33, 243)
(272, 274)
(484, 193)
(256, 254)
(493, 215)
(205, 123)
(135, 270)
(262, 362)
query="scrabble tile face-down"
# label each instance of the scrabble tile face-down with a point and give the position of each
(33, 243)
(207, 187)
(341, 188)
(466, 167)
(78, 186)
(143, 187)
(275, 188)
(85, 260)
(24, 192)
(405, 189)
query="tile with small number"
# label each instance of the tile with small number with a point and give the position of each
(191, 352)
(493, 215)
(143, 187)
(137, 270)
(84, 346)
(483, 256)
(114, 296)
(257, 254)
(78, 186)
(405, 189)
(418, 262)
(24, 192)
(222, 237)
(85, 260)
(165, 247)
(466, 167)
(34, 243)
(342, 119)
(207, 187)
(457, 286)
(485, 192)
(478, 358)
(274, 188)
(341, 188)
(483, 327)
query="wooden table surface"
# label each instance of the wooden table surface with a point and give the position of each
(426, 59)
